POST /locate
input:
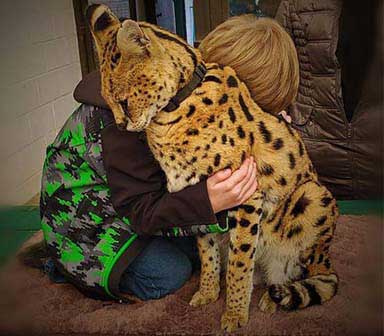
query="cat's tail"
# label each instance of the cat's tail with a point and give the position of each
(304, 293)
(317, 285)
(318, 282)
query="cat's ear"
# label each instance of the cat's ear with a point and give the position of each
(101, 21)
(131, 39)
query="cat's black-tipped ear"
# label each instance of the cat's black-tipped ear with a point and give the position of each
(131, 39)
(100, 18)
(89, 12)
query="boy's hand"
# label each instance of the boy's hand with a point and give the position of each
(227, 189)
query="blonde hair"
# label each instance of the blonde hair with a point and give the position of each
(263, 56)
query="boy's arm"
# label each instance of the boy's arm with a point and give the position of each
(138, 187)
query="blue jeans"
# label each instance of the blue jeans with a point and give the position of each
(161, 268)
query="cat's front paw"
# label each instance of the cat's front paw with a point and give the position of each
(202, 298)
(230, 321)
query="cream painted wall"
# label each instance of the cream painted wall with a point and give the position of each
(39, 68)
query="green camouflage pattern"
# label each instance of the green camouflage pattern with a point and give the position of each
(84, 234)
(82, 230)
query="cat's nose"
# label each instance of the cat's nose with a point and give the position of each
(122, 126)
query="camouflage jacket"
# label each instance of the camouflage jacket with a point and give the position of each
(89, 242)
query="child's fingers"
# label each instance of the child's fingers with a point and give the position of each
(220, 176)
(238, 175)
(247, 189)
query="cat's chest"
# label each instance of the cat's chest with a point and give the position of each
(271, 202)
(179, 174)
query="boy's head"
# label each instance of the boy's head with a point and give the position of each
(263, 56)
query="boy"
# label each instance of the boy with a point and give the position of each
(263, 56)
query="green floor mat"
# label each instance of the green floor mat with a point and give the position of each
(20, 222)
(20, 218)
(361, 207)
(17, 224)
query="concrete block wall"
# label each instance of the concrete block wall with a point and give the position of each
(39, 68)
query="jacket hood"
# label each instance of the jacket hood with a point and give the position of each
(88, 91)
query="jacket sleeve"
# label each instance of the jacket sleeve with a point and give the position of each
(138, 187)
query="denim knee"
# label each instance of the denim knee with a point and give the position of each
(160, 270)
(178, 275)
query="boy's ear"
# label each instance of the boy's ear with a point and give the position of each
(131, 39)
(101, 19)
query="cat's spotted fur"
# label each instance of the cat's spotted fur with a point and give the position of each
(286, 227)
